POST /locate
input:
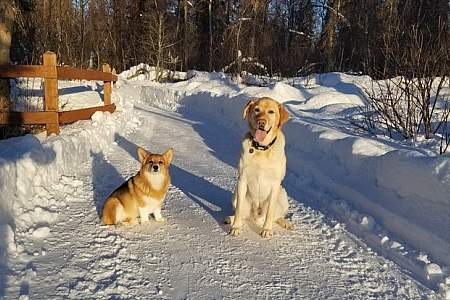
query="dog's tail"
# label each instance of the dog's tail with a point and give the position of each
(112, 211)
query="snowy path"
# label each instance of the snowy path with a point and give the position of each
(191, 256)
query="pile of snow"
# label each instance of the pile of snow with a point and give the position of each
(393, 193)
(30, 163)
(146, 72)
(321, 102)
(396, 196)
(281, 91)
(406, 191)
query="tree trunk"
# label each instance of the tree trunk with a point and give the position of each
(254, 21)
(330, 35)
(238, 53)
(6, 23)
(82, 31)
(210, 36)
(186, 52)
(160, 49)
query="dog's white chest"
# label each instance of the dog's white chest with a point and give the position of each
(156, 180)
(152, 204)
(260, 184)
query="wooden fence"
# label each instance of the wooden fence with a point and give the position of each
(50, 72)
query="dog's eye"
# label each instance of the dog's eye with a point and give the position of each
(271, 112)
(151, 162)
(160, 162)
(256, 110)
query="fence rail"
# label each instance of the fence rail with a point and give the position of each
(50, 72)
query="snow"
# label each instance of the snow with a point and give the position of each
(403, 189)
(351, 197)
(445, 289)
(8, 237)
(281, 91)
(146, 72)
(41, 232)
(433, 270)
(368, 223)
(74, 94)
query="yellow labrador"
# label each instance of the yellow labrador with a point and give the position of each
(262, 166)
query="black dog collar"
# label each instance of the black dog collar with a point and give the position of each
(260, 147)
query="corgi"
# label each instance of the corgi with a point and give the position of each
(142, 194)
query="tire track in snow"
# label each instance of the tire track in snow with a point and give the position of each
(191, 256)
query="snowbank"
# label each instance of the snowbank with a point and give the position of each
(30, 163)
(382, 186)
(146, 72)
(405, 191)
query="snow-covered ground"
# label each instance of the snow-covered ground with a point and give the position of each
(372, 217)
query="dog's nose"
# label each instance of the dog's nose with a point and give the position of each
(155, 168)
(261, 123)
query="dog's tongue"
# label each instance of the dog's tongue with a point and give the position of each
(260, 135)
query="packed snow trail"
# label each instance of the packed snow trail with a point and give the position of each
(190, 256)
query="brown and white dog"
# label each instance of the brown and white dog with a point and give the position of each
(262, 166)
(142, 194)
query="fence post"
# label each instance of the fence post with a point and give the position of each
(106, 86)
(51, 91)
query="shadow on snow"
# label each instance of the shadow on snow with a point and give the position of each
(213, 199)
(105, 179)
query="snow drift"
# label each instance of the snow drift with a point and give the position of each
(394, 188)
(406, 191)
(30, 162)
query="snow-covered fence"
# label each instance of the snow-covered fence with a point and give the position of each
(51, 117)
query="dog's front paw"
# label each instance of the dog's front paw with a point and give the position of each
(235, 231)
(289, 225)
(145, 222)
(285, 224)
(131, 222)
(267, 233)
(161, 220)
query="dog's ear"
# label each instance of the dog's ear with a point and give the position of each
(168, 155)
(142, 154)
(284, 115)
(247, 108)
